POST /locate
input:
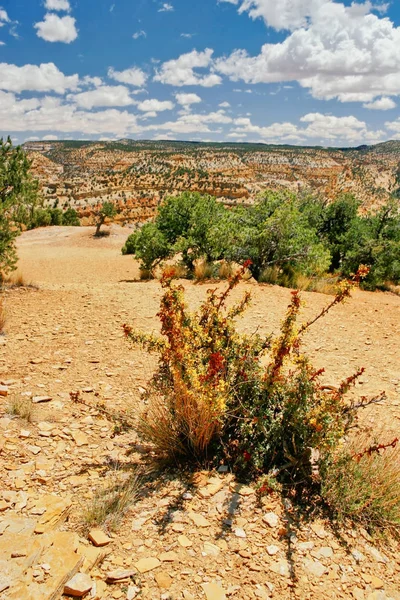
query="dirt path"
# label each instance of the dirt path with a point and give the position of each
(67, 335)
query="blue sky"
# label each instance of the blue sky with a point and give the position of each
(295, 71)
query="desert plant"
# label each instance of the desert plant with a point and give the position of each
(203, 270)
(17, 190)
(3, 317)
(361, 482)
(107, 210)
(21, 407)
(110, 502)
(212, 394)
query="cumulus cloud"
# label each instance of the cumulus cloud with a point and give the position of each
(43, 78)
(383, 103)
(317, 127)
(106, 95)
(52, 114)
(186, 100)
(3, 17)
(154, 106)
(57, 5)
(57, 29)
(224, 105)
(180, 71)
(336, 51)
(133, 76)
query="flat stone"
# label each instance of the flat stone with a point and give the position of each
(168, 557)
(119, 575)
(98, 537)
(213, 591)
(314, 567)
(280, 567)
(78, 586)
(199, 520)
(376, 582)
(39, 399)
(184, 541)
(211, 549)
(3, 390)
(80, 438)
(271, 519)
(272, 550)
(147, 564)
(240, 533)
(164, 581)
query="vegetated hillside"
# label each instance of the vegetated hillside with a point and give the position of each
(138, 174)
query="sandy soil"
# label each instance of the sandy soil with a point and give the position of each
(87, 290)
(66, 334)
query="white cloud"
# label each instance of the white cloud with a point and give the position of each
(319, 128)
(192, 123)
(106, 95)
(133, 76)
(43, 78)
(180, 71)
(166, 7)
(187, 35)
(57, 5)
(224, 105)
(155, 106)
(3, 17)
(383, 103)
(394, 126)
(50, 138)
(139, 34)
(52, 114)
(336, 51)
(285, 14)
(186, 100)
(57, 29)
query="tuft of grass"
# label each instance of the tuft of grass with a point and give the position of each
(110, 503)
(145, 274)
(3, 317)
(225, 270)
(17, 280)
(364, 486)
(21, 407)
(203, 270)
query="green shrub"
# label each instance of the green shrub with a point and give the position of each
(213, 395)
(70, 217)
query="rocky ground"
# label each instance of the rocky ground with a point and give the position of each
(204, 537)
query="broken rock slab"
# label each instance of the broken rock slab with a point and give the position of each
(98, 537)
(78, 586)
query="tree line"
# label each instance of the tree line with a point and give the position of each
(284, 235)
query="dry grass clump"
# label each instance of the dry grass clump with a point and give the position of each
(296, 280)
(145, 274)
(3, 317)
(362, 484)
(110, 503)
(17, 280)
(203, 270)
(21, 407)
(225, 270)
